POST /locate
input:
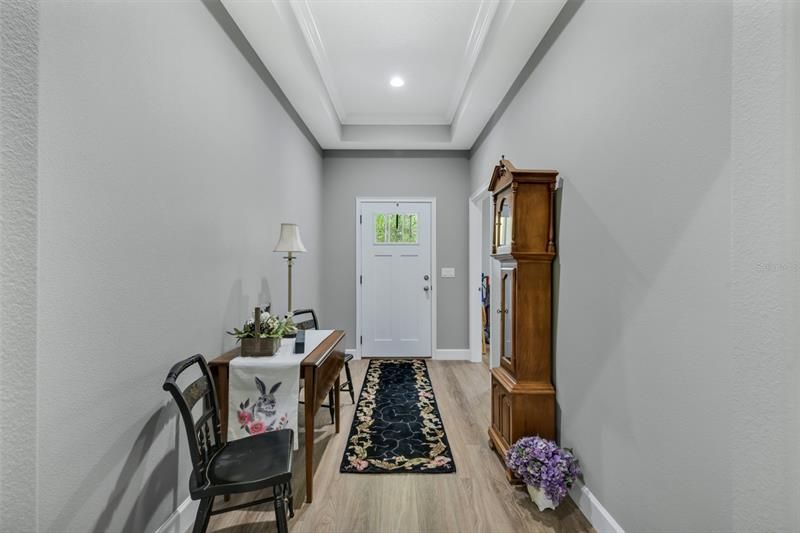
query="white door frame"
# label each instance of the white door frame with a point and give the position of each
(476, 244)
(434, 288)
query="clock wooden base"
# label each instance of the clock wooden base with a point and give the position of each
(520, 409)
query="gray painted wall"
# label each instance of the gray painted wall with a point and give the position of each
(764, 248)
(19, 39)
(674, 349)
(166, 165)
(793, 235)
(445, 177)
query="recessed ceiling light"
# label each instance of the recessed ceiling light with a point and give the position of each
(397, 81)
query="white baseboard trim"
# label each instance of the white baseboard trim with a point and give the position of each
(592, 509)
(461, 354)
(475, 355)
(182, 519)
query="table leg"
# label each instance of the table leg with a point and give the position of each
(219, 373)
(310, 388)
(337, 402)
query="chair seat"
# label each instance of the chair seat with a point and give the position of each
(253, 462)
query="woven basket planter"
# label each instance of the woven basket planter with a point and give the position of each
(260, 347)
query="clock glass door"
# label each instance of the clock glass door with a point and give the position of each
(503, 221)
(507, 281)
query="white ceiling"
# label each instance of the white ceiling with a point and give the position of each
(334, 58)
(390, 38)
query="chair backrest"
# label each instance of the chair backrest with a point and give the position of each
(204, 433)
(305, 319)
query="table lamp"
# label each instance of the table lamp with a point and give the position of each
(290, 243)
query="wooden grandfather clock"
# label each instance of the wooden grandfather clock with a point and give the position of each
(523, 396)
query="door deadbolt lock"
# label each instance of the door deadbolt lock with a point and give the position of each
(426, 277)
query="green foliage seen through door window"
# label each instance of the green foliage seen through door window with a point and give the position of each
(396, 228)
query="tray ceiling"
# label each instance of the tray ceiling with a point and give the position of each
(334, 60)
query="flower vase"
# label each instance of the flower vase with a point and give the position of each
(540, 498)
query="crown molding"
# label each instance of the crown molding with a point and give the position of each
(316, 45)
(386, 154)
(395, 119)
(560, 22)
(289, 44)
(310, 30)
(477, 37)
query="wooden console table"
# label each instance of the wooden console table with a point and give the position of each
(320, 371)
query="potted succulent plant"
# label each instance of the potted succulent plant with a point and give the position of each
(548, 470)
(262, 335)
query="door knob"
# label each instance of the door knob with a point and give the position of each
(426, 288)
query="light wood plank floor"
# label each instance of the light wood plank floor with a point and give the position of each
(476, 498)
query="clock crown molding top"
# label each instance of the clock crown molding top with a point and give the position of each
(505, 169)
(524, 213)
(333, 62)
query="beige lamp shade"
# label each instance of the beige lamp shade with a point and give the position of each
(289, 240)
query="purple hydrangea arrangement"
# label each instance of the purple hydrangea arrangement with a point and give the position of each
(542, 464)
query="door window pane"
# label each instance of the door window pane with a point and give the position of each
(396, 228)
(380, 228)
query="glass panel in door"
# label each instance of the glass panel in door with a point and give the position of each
(504, 222)
(506, 318)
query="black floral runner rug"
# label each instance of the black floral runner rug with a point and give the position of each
(397, 427)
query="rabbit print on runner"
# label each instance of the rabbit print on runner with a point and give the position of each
(261, 416)
(263, 393)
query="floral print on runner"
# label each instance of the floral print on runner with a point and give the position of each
(261, 416)
(397, 426)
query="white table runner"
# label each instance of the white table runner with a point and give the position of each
(263, 392)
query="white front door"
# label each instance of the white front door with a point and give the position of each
(396, 278)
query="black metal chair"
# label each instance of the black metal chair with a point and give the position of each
(312, 323)
(220, 469)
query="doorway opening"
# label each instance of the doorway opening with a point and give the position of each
(482, 275)
(395, 266)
